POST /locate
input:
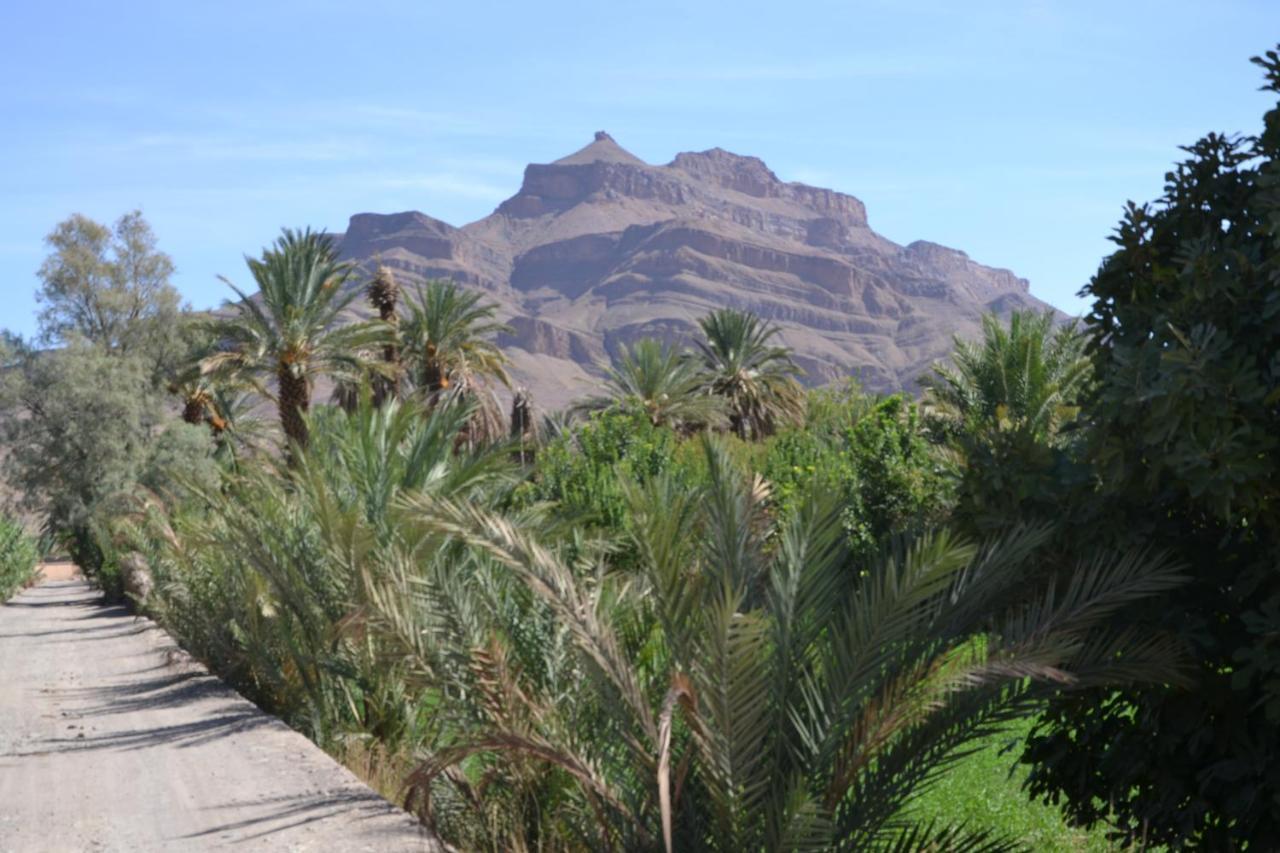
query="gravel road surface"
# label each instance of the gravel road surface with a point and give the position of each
(112, 740)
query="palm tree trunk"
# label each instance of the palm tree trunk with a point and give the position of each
(295, 400)
(433, 378)
(193, 411)
(387, 387)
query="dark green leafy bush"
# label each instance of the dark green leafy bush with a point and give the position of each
(1185, 338)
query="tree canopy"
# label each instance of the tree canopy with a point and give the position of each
(108, 286)
(1185, 340)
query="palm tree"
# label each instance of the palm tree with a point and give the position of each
(293, 332)
(384, 295)
(756, 379)
(745, 687)
(238, 427)
(196, 393)
(1004, 416)
(446, 340)
(449, 356)
(1028, 377)
(660, 380)
(189, 382)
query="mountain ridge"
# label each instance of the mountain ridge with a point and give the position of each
(599, 248)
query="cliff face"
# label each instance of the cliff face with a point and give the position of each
(600, 248)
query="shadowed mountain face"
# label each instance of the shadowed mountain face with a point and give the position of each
(600, 248)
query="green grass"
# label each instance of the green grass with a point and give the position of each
(980, 792)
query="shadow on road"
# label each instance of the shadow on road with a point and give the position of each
(182, 735)
(296, 811)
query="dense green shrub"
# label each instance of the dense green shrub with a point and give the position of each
(872, 453)
(583, 470)
(748, 683)
(1185, 338)
(252, 577)
(19, 554)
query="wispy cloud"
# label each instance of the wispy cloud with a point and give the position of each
(854, 68)
(200, 146)
(445, 183)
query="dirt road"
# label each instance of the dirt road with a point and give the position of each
(111, 742)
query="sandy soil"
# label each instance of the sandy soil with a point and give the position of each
(63, 570)
(112, 740)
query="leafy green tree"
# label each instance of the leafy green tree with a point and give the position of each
(77, 427)
(293, 331)
(1007, 410)
(80, 421)
(1185, 337)
(662, 382)
(109, 286)
(871, 452)
(583, 469)
(756, 379)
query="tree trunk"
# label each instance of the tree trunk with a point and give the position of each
(193, 411)
(433, 378)
(295, 400)
(522, 424)
(387, 387)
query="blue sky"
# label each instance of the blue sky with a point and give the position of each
(1012, 130)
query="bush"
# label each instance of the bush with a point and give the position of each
(869, 451)
(19, 555)
(583, 469)
(1185, 425)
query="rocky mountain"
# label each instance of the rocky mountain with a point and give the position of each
(600, 248)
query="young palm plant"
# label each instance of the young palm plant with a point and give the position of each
(663, 382)
(293, 331)
(756, 379)
(1005, 417)
(1027, 377)
(745, 686)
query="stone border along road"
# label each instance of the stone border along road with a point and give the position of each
(112, 739)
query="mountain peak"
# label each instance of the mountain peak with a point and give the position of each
(600, 249)
(746, 174)
(602, 149)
